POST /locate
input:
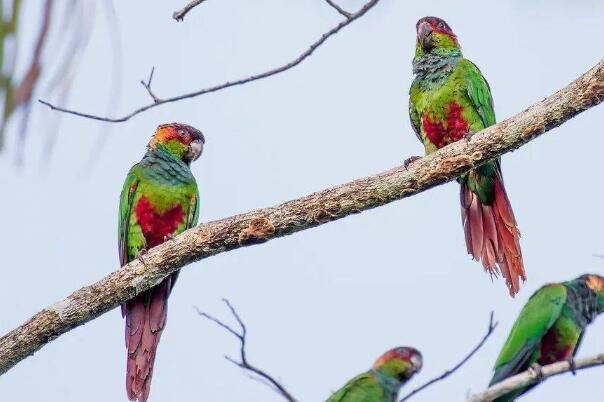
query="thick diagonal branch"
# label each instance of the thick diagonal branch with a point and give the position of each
(269, 73)
(316, 209)
(530, 377)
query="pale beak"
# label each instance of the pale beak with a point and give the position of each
(416, 363)
(424, 35)
(195, 150)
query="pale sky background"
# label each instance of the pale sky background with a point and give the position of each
(323, 304)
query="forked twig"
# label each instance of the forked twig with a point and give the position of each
(244, 363)
(147, 86)
(339, 9)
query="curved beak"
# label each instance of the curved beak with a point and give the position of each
(416, 363)
(195, 150)
(424, 35)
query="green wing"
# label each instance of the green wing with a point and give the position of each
(126, 200)
(363, 388)
(536, 318)
(193, 210)
(414, 116)
(479, 92)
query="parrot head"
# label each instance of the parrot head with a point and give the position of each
(400, 363)
(596, 284)
(434, 35)
(180, 140)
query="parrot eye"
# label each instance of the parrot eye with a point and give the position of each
(441, 25)
(181, 132)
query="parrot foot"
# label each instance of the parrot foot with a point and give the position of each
(139, 257)
(410, 160)
(573, 366)
(469, 136)
(537, 371)
(168, 237)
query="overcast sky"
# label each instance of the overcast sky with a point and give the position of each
(323, 304)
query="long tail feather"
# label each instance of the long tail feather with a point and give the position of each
(145, 320)
(492, 235)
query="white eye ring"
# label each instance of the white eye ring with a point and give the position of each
(441, 25)
(181, 132)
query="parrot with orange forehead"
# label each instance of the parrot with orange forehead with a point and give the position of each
(450, 100)
(383, 382)
(549, 328)
(159, 200)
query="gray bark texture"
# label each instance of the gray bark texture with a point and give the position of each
(531, 377)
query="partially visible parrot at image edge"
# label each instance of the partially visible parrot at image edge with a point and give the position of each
(449, 100)
(159, 200)
(384, 380)
(550, 328)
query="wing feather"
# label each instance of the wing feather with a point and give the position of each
(479, 93)
(126, 204)
(538, 315)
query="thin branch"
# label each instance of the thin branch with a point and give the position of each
(180, 14)
(244, 363)
(598, 256)
(339, 9)
(147, 86)
(530, 377)
(490, 329)
(307, 53)
(314, 210)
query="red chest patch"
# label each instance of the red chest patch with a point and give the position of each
(552, 350)
(443, 133)
(156, 227)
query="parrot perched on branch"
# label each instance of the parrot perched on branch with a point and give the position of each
(159, 200)
(550, 328)
(450, 100)
(383, 382)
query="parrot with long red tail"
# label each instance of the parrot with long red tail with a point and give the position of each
(384, 380)
(549, 329)
(159, 200)
(450, 100)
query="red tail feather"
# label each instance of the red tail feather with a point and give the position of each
(145, 320)
(492, 235)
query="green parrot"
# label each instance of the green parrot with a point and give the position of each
(159, 200)
(450, 100)
(383, 382)
(550, 328)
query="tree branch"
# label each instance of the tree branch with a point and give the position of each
(244, 364)
(530, 377)
(339, 9)
(307, 53)
(490, 329)
(304, 213)
(180, 15)
(147, 86)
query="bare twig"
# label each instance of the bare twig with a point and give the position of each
(313, 47)
(147, 86)
(244, 363)
(339, 9)
(490, 329)
(314, 210)
(531, 377)
(180, 14)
